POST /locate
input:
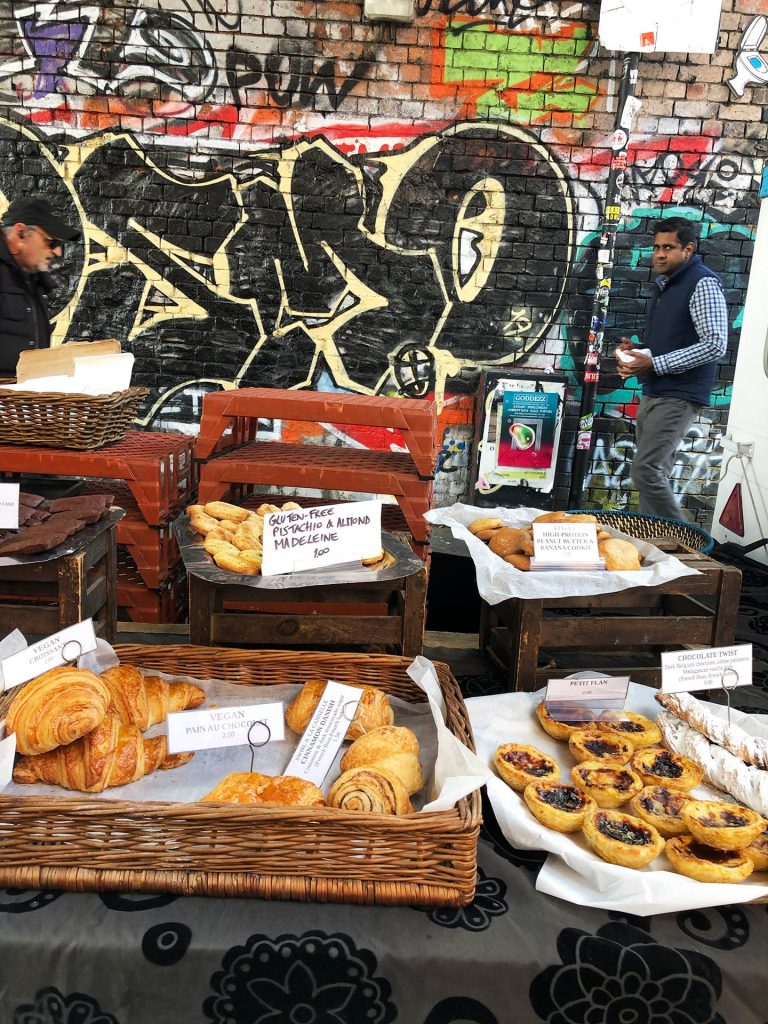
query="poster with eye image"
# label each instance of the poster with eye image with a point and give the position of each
(526, 441)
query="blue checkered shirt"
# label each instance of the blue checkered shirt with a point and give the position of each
(710, 318)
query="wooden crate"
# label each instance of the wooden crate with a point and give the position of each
(387, 615)
(536, 640)
(40, 598)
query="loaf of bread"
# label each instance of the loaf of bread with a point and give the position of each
(751, 749)
(375, 790)
(392, 747)
(373, 710)
(722, 769)
(57, 708)
(265, 791)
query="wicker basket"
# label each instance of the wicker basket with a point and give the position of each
(67, 421)
(654, 528)
(322, 855)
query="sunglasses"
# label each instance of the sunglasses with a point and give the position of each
(53, 243)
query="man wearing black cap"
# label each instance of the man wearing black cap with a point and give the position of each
(31, 236)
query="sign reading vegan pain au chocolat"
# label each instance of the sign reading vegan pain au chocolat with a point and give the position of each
(314, 537)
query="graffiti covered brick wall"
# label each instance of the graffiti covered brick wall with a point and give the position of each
(278, 193)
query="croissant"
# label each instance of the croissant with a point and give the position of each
(373, 710)
(392, 747)
(146, 700)
(266, 790)
(58, 707)
(375, 790)
(110, 755)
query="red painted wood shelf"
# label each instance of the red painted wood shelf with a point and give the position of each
(414, 419)
(158, 468)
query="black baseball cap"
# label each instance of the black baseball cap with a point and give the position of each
(39, 213)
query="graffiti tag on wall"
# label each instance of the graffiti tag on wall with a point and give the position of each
(398, 267)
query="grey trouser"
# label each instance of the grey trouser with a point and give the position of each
(661, 425)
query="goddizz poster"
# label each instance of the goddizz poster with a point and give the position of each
(527, 434)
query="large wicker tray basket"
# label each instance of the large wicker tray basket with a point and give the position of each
(323, 855)
(67, 421)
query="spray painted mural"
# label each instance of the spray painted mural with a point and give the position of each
(301, 200)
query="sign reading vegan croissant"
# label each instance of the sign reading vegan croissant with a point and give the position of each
(314, 537)
(65, 646)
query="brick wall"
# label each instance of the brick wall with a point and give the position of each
(280, 193)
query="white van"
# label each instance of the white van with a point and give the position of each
(741, 508)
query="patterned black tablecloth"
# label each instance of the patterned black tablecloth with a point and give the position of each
(513, 956)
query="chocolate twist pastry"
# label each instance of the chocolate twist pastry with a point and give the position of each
(750, 749)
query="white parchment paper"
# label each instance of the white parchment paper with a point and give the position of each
(450, 769)
(572, 871)
(498, 581)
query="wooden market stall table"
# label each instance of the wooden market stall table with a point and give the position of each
(152, 475)
(41, 594)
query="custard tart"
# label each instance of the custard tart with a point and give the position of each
(593, 745)
(659, 767)
(622, 839)
(695, 860)
(642, 731)
(661, 808)
(608, 787)
(758, 852)
(558, 805)
(519, 764)
(722, 826)
(553, 727)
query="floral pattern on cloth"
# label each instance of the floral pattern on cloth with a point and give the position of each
(622, 975)
(51, 1007)
(489, 902)
(312, 979)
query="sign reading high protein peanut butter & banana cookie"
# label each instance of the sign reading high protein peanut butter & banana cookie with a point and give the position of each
(315, 537)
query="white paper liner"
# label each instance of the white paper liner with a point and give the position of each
(451, 769)
(575, 873)
(498, 581)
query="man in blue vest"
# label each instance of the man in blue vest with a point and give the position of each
(686, 333)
